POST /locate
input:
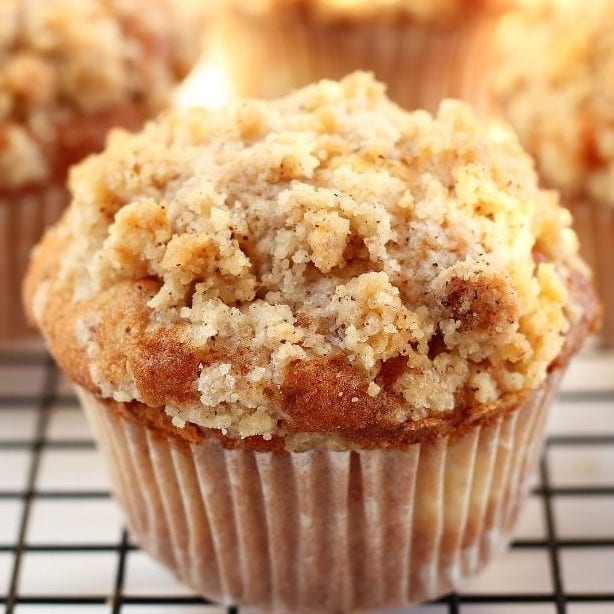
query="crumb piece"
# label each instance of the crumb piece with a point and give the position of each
(373, 389)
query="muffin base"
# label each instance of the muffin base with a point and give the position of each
(421, 63)
(23, 220)
(594, 225)
(323, 530)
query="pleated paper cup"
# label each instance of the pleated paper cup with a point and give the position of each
(268, 56)
(594, 225)
(323, 531)
(23, 220)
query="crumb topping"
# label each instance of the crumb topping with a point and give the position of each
(62, 61)
(324, 262)
(557, 89)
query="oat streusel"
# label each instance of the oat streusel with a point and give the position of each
(325, 263)
(68, 68)
(557, 89)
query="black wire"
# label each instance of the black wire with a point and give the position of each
(45, 402)
(453, 603)
(553, 546)
(116, 598)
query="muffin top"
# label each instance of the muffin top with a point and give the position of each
(325, 267)
(427, 10)
(557, 88)
(69, 68)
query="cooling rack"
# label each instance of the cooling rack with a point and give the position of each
(64, 549)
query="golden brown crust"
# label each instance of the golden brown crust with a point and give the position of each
(165, 370)
(419, 10)
(359, 434)
(589, 306)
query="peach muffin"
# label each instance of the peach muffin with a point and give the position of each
(424, 50)
(316, 338)
(556, 84)
(69, 71)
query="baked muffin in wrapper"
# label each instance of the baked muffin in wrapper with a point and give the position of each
(69, 72)
(316, 339)
(424, 50)
(554, 82)
(272, 529)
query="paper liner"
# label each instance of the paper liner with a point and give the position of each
(594, 224)
(421, 63)
(23, 220)
(320, 530)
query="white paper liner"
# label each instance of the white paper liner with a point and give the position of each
(320, 530)
(23, 221)
(594, 225)
(421, 63)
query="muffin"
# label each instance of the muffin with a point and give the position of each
(424, 50)
(555, 84)
(316, 338)
(69, 71)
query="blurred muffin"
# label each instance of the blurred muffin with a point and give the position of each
(556, 84)
(316, 338)
(69, 71)
(424, 50)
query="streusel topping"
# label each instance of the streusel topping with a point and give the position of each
(557, 88)
(394, 265)
(64, 60)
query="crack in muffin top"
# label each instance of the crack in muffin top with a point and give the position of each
(557, 89)
(323, 263)
(69, 66)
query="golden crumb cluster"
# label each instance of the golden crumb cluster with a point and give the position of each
(64, 60)
(323, 263)
(557, 88)
(427, 10)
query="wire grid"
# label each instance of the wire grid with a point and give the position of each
(63, 547)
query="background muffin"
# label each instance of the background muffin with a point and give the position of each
(316, 339)
(556, 85)
(424, 50)
(69, 71)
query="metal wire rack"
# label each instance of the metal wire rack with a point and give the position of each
(63, 547)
